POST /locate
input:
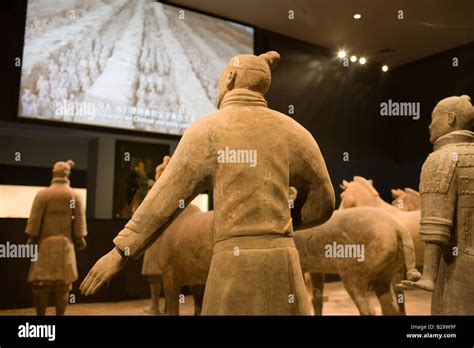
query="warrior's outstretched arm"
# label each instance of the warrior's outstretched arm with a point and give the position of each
(187, 174)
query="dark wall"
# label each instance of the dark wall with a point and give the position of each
(337, 104)
(12, 16)
(340, 106)
(428, 81)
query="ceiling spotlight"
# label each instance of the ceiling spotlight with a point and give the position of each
(357, 16)
(353, 59)
(384, 68)
(341, 54)
(362, 60)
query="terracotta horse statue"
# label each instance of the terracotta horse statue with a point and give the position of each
(361, 192)
(184, 256)
(406, 199)
(331, 249)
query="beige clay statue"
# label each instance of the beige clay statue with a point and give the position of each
(447, 209)
(57, 222)
(184, 256)
(406, 199)
(367, 247)
(361, 192)
(255, 266)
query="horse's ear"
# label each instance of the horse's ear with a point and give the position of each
(345, 183)
(342, 186)
(396, 193)
(371, 181)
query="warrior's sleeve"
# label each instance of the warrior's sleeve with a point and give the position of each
(315, 201)
(187, 174)
(33, 226)
(438, 187)
(80, 225)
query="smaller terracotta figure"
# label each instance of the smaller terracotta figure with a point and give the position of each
(137, 187)
(57, 222)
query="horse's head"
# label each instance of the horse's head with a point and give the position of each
(406, 200)
(359, 192)
(399, 201)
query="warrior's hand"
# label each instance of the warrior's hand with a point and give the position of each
(80, 243)
(423, 284)
(32, 240)
(103, 270)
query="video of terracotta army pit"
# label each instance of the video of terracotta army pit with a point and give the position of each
(238, 157)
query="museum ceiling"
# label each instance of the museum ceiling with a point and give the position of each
(428, 26)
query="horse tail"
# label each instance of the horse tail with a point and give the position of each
(408, 253)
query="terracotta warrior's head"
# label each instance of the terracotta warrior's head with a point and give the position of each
(249, 72)
(62, 169)
(451, 114)
(161, 167)
(140, 168)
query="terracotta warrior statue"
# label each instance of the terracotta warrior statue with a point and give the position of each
(57, 223)
(248, 155)
(447, 209)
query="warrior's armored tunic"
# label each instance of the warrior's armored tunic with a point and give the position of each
(447, 218)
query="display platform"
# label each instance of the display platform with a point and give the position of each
(338, 302)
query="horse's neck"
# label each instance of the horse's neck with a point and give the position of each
(380, 203)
